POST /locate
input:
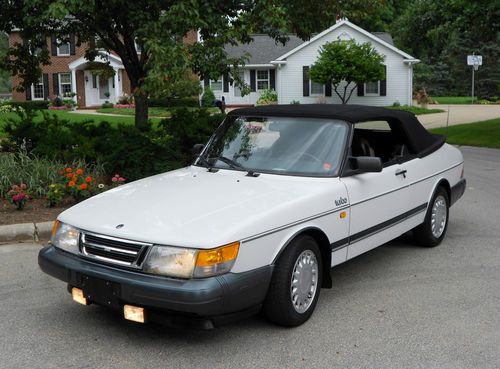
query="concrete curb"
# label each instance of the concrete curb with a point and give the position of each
(26, 231)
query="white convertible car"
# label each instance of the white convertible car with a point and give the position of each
(278, 196)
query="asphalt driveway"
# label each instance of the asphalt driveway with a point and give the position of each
(399, 306)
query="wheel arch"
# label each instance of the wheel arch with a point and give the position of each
(324, 246)
(442, 182)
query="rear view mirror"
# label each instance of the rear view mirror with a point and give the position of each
(363, 164)
(197, 149)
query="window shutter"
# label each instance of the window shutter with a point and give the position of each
(328, 89)
(55, 83)
(225, 82)
(253, 83)
(206, 82)
(305, 81)
(53, 45)
(272, 79)
(72, 44)
(383, 83)
(361, 89)
(45, 86)
(28, 93)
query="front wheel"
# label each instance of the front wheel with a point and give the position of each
(432, 231)
(295, 285)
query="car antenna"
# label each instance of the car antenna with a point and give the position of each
(447, 121)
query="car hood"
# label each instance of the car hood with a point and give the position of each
(192, 207)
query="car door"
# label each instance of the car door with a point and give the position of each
(378, 204)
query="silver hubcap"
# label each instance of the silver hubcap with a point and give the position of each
(438, 216)
(304, 281)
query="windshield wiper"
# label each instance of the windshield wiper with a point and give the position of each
(232, 163)
(207, 164)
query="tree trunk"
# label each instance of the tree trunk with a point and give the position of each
(141, 112)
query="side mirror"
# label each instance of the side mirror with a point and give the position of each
(197, 149)
(363, 164)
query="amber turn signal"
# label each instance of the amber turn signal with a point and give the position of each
(219, 255)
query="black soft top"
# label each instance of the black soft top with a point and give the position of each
(402, 122)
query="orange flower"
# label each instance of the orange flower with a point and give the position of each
(69, 170)
(83, 186)
(88, 179)
(69, 175)
(79, 171)
(71, 184)
(74, 178)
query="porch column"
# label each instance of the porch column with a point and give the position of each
(73, 85)
(117, 85)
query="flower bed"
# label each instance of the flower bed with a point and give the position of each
(59, 108)
(124, 106)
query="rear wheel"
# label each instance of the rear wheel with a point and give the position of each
(432, 231)
(295, 285)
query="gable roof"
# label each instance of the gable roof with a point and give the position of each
(263, 48)
(374, 37)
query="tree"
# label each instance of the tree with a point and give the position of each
(159, 28)
(4, 75)
(442, 34)
(344, 64)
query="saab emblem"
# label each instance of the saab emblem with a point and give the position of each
(341, 201)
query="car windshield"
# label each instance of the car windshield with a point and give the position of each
(282, 145)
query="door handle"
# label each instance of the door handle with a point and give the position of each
(401, 172)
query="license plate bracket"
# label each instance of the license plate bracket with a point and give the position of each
(101, 292)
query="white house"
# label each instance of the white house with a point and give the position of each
(285, 69)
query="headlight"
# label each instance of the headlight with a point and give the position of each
(65, 237)
(188, 263)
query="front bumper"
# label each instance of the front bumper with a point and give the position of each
(209, 297)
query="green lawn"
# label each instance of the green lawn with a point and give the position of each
(452, 99)
(153, 111)
(417, 110)
(485, 133)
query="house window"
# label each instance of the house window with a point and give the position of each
(37, 90)
(372, 88)
(262, 79)
(216, 85)
(63, 48)
(65, 84)
(317, 88)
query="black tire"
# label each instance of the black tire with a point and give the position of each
(278, 306)
(423, 234)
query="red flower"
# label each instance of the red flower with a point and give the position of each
(61, 172)
(69, 175)
(83, 186)
(69, 170)
(88, 179)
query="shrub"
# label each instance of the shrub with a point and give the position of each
(183, 102)
(295, 102)
(31, 105)
(107, 105)
(188, 128)
(267, 97)
(208, 98)
(396, 103)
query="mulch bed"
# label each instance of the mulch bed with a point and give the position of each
(35, 211)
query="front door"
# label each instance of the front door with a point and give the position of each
(378, 202)
(98, 90)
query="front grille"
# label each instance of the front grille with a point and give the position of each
(113, 250)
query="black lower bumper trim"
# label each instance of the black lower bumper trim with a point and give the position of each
(457, 191)
(215, 297)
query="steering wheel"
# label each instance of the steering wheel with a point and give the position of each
(316, 159)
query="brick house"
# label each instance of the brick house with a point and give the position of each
(68, 72)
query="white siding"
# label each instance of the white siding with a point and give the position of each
(289, 76)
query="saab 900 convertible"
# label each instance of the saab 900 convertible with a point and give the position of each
(278, 196)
